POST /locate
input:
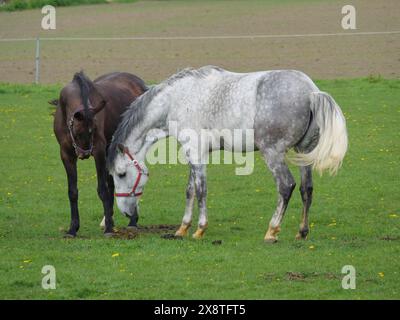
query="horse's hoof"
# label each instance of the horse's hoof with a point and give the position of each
(270, 240)
(132, 228)
(300, 236)
(181, 234)
(182, 231)
(109, 234)
(271, 235)
(198, 234)
(69, 235)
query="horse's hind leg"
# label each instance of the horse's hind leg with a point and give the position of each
(187, 218)
(200, 182)
(306, 190)
(285, 184)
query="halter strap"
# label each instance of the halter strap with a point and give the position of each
(77, 148)
(139, 176)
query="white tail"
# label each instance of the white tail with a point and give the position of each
(332, 144)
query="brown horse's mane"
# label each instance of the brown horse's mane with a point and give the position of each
(85, 86)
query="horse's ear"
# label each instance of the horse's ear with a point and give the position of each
(120, 147)
(54, 102)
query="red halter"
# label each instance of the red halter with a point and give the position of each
(140, 172)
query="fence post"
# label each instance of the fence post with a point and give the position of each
(37, 61)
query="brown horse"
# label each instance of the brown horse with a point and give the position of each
(86, 117)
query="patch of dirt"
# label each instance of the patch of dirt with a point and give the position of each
(299, 276)
(171, 236)
(390, 238)
(129, 233)
(158, 228)
(295, 276)
(126, 233)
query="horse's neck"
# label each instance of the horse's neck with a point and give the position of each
(152, 127)
(141, 154)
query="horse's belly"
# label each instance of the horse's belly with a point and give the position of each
(236, 140)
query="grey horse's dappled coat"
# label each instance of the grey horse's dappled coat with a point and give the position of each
(283, 108)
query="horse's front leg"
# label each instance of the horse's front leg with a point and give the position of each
(200, 182)
(69, 162)
(134, 218)
(104, 191)
(190, 194)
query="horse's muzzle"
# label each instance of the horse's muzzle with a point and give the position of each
(83, 156)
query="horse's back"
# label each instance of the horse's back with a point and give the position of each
(215, 98)
(119, 90)
(122, 81)
(276, 104)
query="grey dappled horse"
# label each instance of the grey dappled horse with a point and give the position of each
(284, 108)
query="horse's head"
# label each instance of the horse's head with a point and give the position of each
(82, 127)
(130, 177)
(81, 101)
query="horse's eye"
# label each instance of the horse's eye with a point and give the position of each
(122, 175)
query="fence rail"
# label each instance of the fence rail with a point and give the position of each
(178, 38)
(256, 36)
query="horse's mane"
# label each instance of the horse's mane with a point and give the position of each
(85, 85)
(130, 118)
(191, 72)
(137, 110)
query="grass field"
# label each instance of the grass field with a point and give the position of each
(355, 217)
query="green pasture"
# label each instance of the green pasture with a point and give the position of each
(355, 217)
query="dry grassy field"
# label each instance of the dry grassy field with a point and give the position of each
(322, 57)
